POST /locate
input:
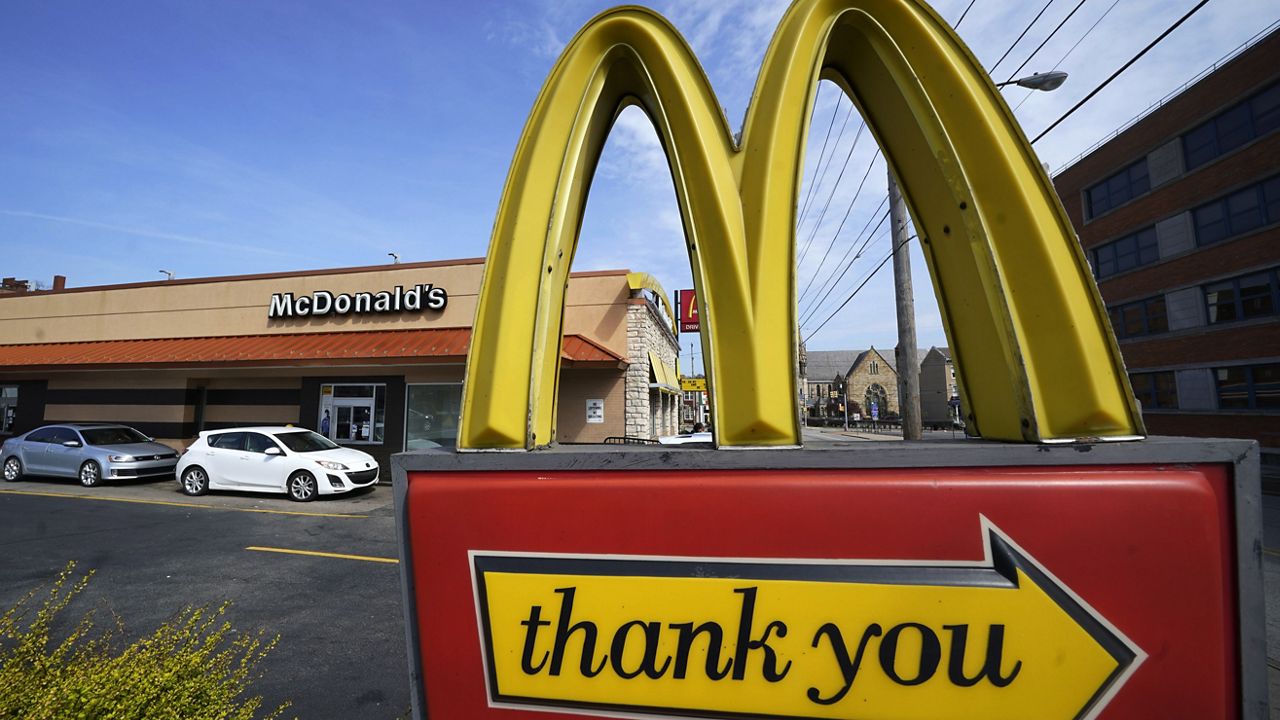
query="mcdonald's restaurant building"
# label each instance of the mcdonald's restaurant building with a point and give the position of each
(372, 357)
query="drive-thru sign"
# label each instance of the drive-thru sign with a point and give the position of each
(1074, 571)
(904, 580)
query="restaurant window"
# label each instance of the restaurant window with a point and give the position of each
(1243, 298)
(353, 414)
(1232, 128)
(1249, 387)
(432, 413)
(1127, 253)
(1118, 189)
(1144, 317)
(1155, 390)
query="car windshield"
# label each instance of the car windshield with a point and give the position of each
(305, 441)
(113, 436)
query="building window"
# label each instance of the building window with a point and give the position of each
(1118, 189)
(353, 414)
(1144, 317)
(1243, 298)
(1155, 390)
(432, 413)
(1253, 118)
(1127, 253)
(1238, 213)
(873, 368)
(1249, 387)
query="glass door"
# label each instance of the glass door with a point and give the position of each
(353, 420)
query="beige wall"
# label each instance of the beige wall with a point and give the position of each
(595, 306)
(576, 387)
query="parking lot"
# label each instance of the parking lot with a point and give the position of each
(322, 575)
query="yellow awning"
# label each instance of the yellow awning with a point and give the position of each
(663, 375)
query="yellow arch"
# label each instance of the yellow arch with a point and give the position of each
(1023, 317)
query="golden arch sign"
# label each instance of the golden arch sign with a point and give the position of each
(1035, 355)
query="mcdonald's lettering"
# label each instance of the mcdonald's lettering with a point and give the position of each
(1034, 354)
(722, 638)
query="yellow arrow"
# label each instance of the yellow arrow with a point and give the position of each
(685, 637)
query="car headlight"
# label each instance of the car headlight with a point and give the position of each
(328, 465)
(120, 458)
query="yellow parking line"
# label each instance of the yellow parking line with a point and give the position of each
(314, 553)
(1269, 551)
(176, 504)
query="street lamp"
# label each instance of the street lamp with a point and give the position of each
(1047, 82)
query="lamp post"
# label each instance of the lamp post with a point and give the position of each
(1047, 82)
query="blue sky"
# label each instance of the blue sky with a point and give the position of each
(212, 138)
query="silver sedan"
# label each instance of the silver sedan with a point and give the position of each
(90, 453)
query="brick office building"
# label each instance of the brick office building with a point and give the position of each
(1179, 215)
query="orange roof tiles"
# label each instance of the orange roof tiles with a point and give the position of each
(426, 345)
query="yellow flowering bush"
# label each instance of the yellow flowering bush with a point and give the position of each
(193, 667)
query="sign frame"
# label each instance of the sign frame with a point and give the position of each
(1239, 457)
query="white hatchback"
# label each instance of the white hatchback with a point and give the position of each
(289, 460)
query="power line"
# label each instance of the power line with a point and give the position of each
(866, 239)
(813, 309)
(817, 224)
(1021, 35)
(1063, 59)
(858, 289)
(843, 220)
(1124, 67)
(822, 174)
(1014, 75)
(963, 14)
(835, 110)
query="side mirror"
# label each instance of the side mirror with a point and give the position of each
(71, 443)
(273, 451)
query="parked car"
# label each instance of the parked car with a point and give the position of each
(686, 438)
(89, 452)
(295, 461)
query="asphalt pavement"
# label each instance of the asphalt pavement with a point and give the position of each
(154, 550)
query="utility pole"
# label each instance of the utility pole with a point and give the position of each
(907, 360)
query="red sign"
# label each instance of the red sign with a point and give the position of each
(550, 594)
(688, 302)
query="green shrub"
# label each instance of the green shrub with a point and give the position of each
(193, 667)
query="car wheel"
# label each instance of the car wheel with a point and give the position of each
(302, 486)
(195, 481)
(90, 474)
(12, 469)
